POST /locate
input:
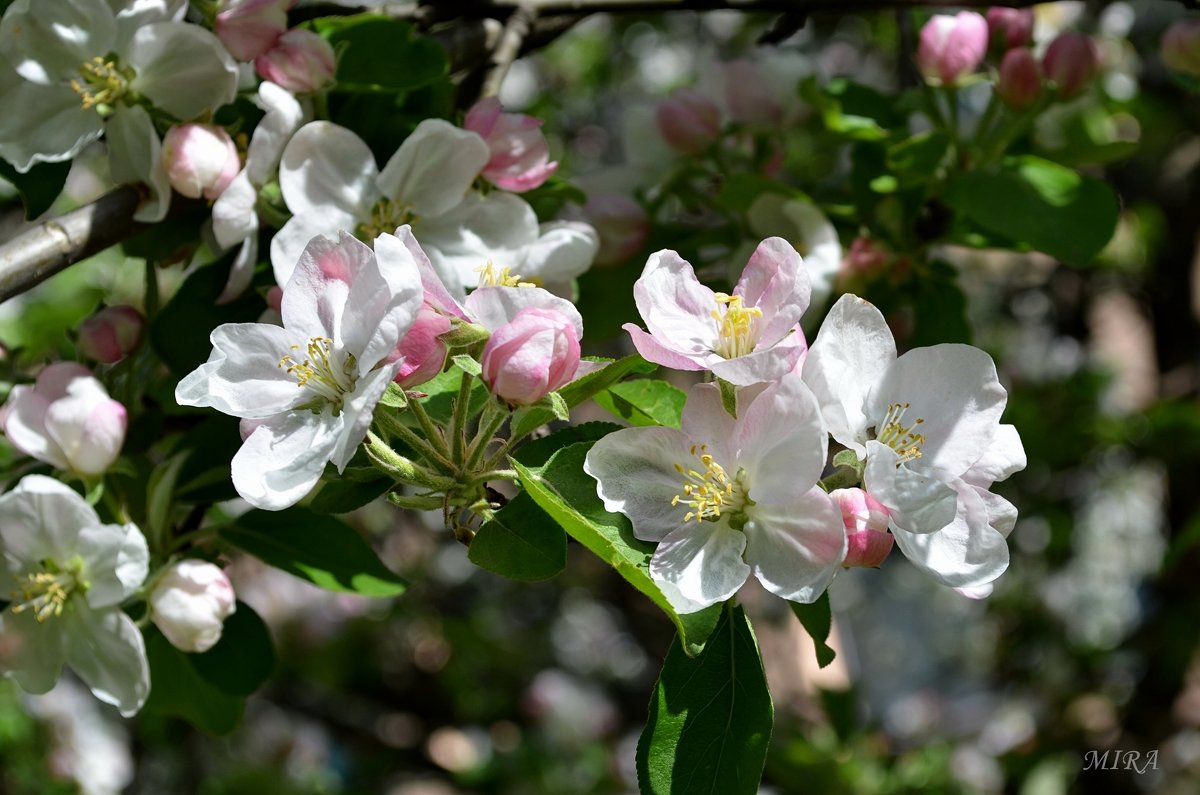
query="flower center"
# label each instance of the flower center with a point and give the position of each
(710, 492)
(46, 592)
(737, 326)
(386, 216)
(321, 372)
(101, 83)
(904, 439)
(489, 276)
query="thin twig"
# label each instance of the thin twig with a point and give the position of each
(509, 48)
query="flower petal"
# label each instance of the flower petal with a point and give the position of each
(495, 228)
(403, 247)
(33, 653)
(703, 561)
(853, 350)
(315, 298)
(234, 215)
(562, 251)
(675, 306)
(242, 376)
(705, 420)
(41, 520)
(272, 133)
(328, 169)
(493, 307)
(434, 167)
(290, 241)
(776, 282)
(135, 155)
(50, 127)
(652, 350)
(284, 457)
(358, 411)
(117, 561)
(919, 501)
(25, 426)
(48, 42)
(796, 548)
(1004, 456)
(182, 68)
(781, 441)
(635, 470)
(764, 364)
(966, 553)
(106, 650)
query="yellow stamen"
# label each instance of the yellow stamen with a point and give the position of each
(320, 371)
(737, 326)
(710, 492)
(490, 277)
(45, 593)
(386, 217)
(902, 438)
(101, 82)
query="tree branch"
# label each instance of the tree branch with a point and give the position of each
(519, 26)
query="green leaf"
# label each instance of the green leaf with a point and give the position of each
(443, 391)
(817, 620)
(741, 190)
(378, 54)
(313, 547)
(568, 494)
(39, 186)
(467, 364)
(343, 495)
(1040, 204)
(521, 542)
(243, 658)
(917, 160)
(394, 397)
(537, 452)
(646, 401)
(549, 199)
(179, 333)
(177, 688)
(581, 389)
(710, 718)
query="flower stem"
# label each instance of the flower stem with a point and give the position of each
(458, 424)
(403, 470)
(493, 417)
(433, 433)
(393, 426)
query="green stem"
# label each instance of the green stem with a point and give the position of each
(192, 537)
(495, 474)
(396, 428)
(432, 432)
(401, 469)
(493, 418)
(458, 424)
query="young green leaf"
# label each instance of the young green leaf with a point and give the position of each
(646, 401)
(243, 658)
(520, 542)
(817, 620)
(179, 689)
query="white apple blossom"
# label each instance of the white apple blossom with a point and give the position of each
(726, 497)
(330, 182)
(801, 223)
(67, 574)
(71, 70)
(749, 337)
(927, 424)
(313, 383)
(234, 213)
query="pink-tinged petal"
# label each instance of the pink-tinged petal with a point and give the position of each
(535, 354)
(525, 180)
(954, 389)
(284, 458)
(764, 365)
(703, 561)
(635, 470)
(300, 60)
(314, 299)
(483, 116)
(288, 244)
(867, 548)
(853, 350)
(776, 282)
(403, 247)
(920, 502)
(966, 553)
(420, 353)
(380, 308)
(652, 350)
(88, 427)
(434, 167)
(796, 548)
(106, 650)
(1005, 456)
(242, 376)
(25, 426)
(326, 168)
(781, 441)
(493, 307)
(675, 306)
(705, 421)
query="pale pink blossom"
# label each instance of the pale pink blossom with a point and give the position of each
(200, 159)
(952, 47)
(1010, 27)
(1071, 62)
(66, 419)
(531, 356)
(520, 157)
(189, 604)
(248, 28)
(868, 541)
(111, 334)
(688, 120)
(300, 61)
(1181, 46)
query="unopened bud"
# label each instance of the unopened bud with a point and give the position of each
(1020, 81)
(189, 604)
(749, 95)
(248, 28)
(1010, 27)
(301, 61)
(1071, 63)
(952, 47)
(531, 356)
(111, 334)
(423, 352)
(520, 157)
(688, 120)
(200, 160)
(868, 541)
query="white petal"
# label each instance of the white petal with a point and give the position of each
(635, 470)
(818, 240)
(135, 14)
(781, 442)
(183, 69)
(795, 548)
(493, 307)
(241, 270)
(242, 376)
(703, 560)
(117, 562)
(1004, 456)
(852, 352)
(954, 389)
(966, 553)
(233, 213)
(1002, 514)
(562, 251)
(676, 307)
(41, 520)
(706, 421)
(920, 501)
(34, 653)
(434, 167)
(283, 117)
(135, 155)
(50, 125)
(776, 282)
(380, 309)
(48, 42)
(289, 242)
(106, 650)
(403, 247)
(765, 364)
(25, 426)
(328, 169)
(497, 228)
(358, 411)
(284, 458)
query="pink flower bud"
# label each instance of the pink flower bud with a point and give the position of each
(275, 299)
(1071, 62)
(866, 522)
(189, 604)
(952, 47)
(1010, 27)
(531, 356)
(1020, 81)
(520, 157)
(620, 222)
(1181, 47)
(688, 120)
(111, 334)
(865, 258)
(66, 419)
(748, 94)
(423, 353)
(248, 28)
(200, 159)
(301, 61)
